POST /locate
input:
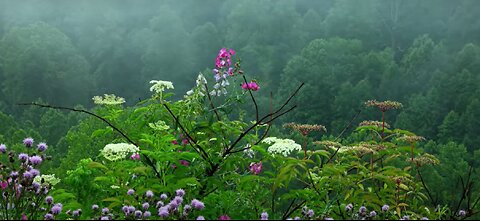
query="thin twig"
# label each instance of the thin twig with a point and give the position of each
(240, 137)
(149, 162)
(191, 141)
(294, 209)
(341, 133)
(426, 188)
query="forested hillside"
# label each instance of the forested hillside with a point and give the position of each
(401, 75)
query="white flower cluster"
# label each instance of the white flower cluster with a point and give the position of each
(47, 179)
(108, 99)
(159, 125)
(160, 86)
(118, 151)
(281, 146)
(201, 82)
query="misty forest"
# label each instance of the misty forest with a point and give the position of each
(252, 109)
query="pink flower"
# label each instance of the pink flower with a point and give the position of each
(250, 86)
(175, 142)
(185, 141)
(256, 168)
(135, 156)
(253, 86)
(4, 185)
(224, 217)
(184, 162)
(232, 52)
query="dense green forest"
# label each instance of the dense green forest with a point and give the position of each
(423, 54)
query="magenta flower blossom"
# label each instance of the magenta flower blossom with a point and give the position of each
(251, 86)
(3, 148)
(185, 141)
(28, 142)
(184, 162)
(35, 160)
(175, 142)
(256, 168)
(197, 204)
(42, 147)
(264, 216)
(4, 185)
(224, 217)
(135, 156)
(180, 192)
(24, 217)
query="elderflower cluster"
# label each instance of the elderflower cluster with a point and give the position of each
(48, 179)
(281, 146)
(159, 125)
(160, 86)
(118, 151)
(108, 99)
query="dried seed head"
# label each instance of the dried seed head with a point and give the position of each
(384, 105)
(373, 123)
(305, 129)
